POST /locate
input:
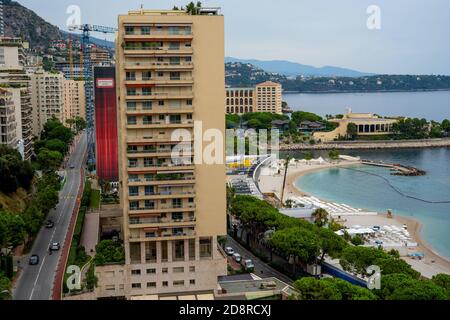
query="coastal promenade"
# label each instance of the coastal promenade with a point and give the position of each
(368, 145)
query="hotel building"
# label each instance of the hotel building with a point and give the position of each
(265, 97)
(74, 101)
(14, 78)
(170, 73)
(47, 98)
(8, 120)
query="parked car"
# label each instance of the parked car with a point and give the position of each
(50, 224)
(72, 166)
(34, 260)
(248, 265)
(237, 257)
(54, 246)
(229, 251)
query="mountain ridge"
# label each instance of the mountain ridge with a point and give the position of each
(289, 68)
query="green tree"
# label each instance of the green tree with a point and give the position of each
(5, 287)
(334, 154)
(320, 217)
(402, 287)
(330, 243)
(298, 242)
(357, 241)
(308, 155)
(391, 265)
(49, 160)
(352, 130)
(442, 280)
(12, 230)
(358, 259)
(313, 289)
(108, 251)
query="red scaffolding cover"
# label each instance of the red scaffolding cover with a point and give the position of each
(106, 123)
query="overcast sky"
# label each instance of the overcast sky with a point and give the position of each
(414, 36)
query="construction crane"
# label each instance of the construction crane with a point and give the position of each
(88, 81)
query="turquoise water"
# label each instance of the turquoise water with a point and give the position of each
(358, 187)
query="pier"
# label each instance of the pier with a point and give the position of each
(396, 169)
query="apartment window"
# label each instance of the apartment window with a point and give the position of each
(146, 75)
(192, 282)
(178, 250)
(205, 247)
(135, 252)
(187, 30)
(192, 249)
(176, 203)
(136, 285)
(178, 283)
(131, 106)
(135, 272)
(165, 270)
(146, 91)
(131, 91)
(149, 190)
(149, 204)
(151, 284)
(133, 177)
(145, 30)
(174, 46)
(164, 255)
(162, 117)
(178, 270)
(160, 74)
(147, 120)
(132, 163)
(151, 234)
(147, 105)
(188, 59)
(131, 120)
(134, 205)
(150, 252)
(174, 30)
(151, 271)
(130, 76)
(189, 102)
(129, 30)
(189, 116)
(175, 76)
(177, 216)
(161, 103)
(165, 283)
(133, 191)
(192, 269)
(159, 29)
(110, 287)
(175, 60)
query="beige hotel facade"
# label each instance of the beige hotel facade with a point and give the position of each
(170, 74)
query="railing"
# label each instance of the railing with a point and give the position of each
(158, 48)
(163, 193)
(160, 165)
(159, 94)
(158, 64)
(162, 179)
(136, 221)
(182, 207)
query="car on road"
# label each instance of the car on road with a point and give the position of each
(237, 257)
(229, 251)
(54, 246)
(34, 260)
(72, 166)
(248, 265)
(50, 224)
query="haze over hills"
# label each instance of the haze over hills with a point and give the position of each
(288, 68)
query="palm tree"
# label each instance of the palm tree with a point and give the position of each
(320, 217)
(286, 164)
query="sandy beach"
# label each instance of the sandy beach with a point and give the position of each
(432, 264)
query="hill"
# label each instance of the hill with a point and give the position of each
(22, 22)
(288, 68)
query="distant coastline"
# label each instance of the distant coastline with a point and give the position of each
(369, 145)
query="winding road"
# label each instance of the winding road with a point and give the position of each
(36, 282)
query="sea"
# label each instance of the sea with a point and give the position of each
(432, 105)
(425, 198)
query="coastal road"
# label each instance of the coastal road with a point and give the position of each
(262, 270)
(36, 282)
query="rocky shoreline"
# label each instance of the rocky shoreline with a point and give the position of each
(361, 145)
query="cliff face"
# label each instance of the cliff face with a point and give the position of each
(22, 22)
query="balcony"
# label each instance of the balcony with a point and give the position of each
(160, 96)
(162, 195)
(162, 181)
(146, 51)
(160, 81)
(159, 167)
(164, 235)
(163, 209)
(158, 36)
(159, 110)
(161, 222)
(158, 139)
(160, 125)
(159, 66)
